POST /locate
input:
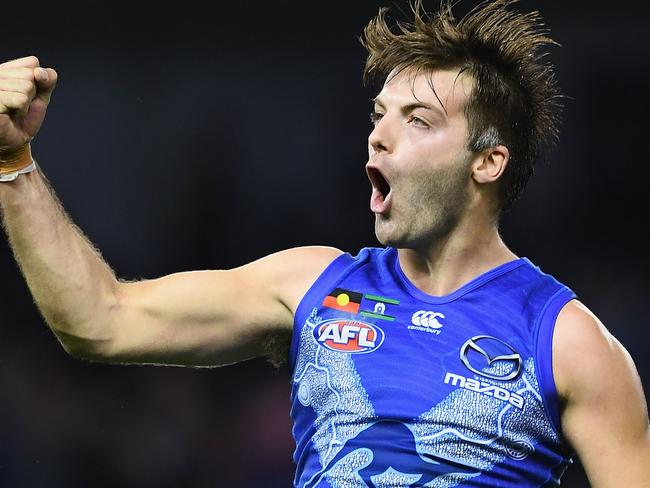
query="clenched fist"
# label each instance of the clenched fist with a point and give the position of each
(25, 91)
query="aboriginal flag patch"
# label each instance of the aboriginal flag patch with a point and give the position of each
(344, 300)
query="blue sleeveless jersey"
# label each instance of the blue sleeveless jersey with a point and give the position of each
(392, 387)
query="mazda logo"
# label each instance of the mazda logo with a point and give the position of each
(483, 351)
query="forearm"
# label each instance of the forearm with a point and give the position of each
(71, 284)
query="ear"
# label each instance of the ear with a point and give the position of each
(490, 164)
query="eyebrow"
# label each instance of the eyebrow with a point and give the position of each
(412, 106)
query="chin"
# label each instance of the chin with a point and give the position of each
(381, 232)
(389, 236)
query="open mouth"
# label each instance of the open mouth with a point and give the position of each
(380, 190)
(378, 182)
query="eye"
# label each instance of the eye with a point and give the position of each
(417, 121)
(375, 117)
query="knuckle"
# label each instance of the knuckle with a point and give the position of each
(24, 86)
(21, 74)
(21, 99)
(29, 86)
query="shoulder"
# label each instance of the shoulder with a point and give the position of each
(604, 412)
(587, 358)
(298, 260)
(291, 272)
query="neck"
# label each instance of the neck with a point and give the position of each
(443, 266)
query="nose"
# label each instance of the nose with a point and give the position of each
(379, 138)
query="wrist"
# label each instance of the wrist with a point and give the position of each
(16, 162)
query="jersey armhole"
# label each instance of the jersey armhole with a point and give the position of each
(328, 277)
(544, 355)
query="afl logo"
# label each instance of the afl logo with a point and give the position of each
(348, 336)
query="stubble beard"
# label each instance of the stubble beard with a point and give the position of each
(426, 209)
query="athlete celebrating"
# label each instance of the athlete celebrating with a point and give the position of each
(441, 359)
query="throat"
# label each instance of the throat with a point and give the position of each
(445, 275)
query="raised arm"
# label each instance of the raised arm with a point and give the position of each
(605, 417)
(198, 318)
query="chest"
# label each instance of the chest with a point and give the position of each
(405, 355)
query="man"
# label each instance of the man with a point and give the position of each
(442, 359)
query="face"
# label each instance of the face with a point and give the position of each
(419, 164)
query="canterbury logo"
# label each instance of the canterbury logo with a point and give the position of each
(427, 319)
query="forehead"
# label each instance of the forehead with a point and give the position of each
(447, 89)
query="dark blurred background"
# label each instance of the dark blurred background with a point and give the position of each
(181, 138)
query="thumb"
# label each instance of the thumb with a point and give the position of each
(45, 79)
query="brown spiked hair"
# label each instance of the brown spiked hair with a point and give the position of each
(515, 100)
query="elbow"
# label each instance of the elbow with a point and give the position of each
(87, 337)
(83, 348)
(84, 332)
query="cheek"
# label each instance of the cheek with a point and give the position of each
(413, 188)
(439, 143)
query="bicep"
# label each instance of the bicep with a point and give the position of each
(213, 317)
(200, 318)
(605, 418)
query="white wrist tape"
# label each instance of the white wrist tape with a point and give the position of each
(12, 176)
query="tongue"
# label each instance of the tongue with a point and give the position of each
(379, 203)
